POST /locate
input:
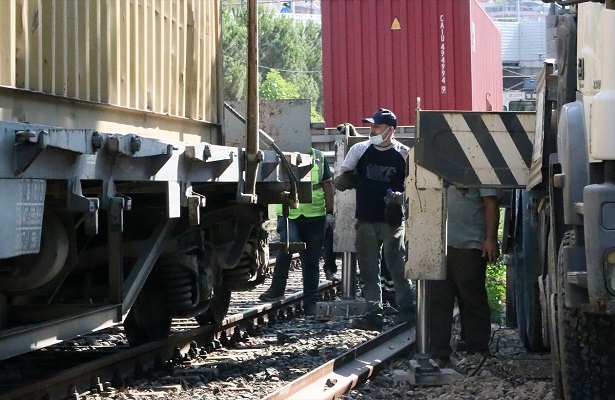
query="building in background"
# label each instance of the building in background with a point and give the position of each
(297, 9)
(523, 26)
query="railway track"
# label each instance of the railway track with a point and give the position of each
(262, 350)
(182, 350)
(91, 364)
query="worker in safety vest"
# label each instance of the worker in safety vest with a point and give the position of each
(305, 224)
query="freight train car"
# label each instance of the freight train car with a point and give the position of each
(120, 200)
(387, 53)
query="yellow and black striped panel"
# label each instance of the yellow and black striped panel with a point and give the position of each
(477, 149)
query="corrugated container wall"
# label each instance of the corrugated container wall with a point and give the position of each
(486, 61)
(523, 41)
(159, 56)
(386, 53)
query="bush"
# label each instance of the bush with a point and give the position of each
(496, 290)
(496, 283)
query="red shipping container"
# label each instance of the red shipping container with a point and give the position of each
(386, 53)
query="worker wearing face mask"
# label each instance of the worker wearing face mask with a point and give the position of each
(376, 169)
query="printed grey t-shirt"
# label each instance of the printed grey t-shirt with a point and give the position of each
(466, 217)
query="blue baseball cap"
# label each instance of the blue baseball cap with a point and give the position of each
(383, 116)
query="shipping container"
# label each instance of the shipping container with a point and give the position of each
(386, 53)
(154, 59)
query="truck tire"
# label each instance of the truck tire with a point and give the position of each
(517, 268)
(519, 299)
(508, 233)
(552, 290)
(511, 306)
(528, 267)
(587, 347)
(529, 315)
(534, 324)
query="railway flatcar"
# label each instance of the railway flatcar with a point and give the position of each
(120, 200)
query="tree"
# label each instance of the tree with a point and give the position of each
(275, 87)
(292, 48)
(234, 49)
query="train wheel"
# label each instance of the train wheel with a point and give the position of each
(147, 320)
(32, 271)
(218, 307)
(587, 346)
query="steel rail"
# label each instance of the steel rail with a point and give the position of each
(57, 385)
(336, 377)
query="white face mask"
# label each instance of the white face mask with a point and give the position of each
(378, 139)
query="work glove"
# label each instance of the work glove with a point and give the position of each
(348, 129)
(394, 198)
(330, 221)
(346, 180)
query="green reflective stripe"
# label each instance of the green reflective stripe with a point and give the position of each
(319, 157)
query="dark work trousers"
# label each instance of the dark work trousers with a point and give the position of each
(301, 229)
(372, 238)
(329, 256)
(386, 283)
(465, 277)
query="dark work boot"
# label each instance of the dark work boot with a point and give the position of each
(368, 323)
(268, 296)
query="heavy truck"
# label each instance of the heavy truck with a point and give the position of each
(561, 234)
(556, 169)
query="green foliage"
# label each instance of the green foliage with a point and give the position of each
(496, 290)
(496, 284)
(234, 49)
(275, 87)
(291, 47)
(315, 115)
